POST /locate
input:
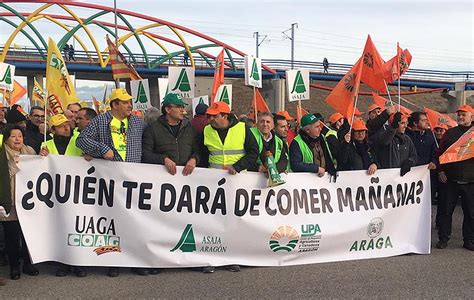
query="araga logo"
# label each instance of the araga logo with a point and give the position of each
(374, 230)
(99, 234)
(209, 243)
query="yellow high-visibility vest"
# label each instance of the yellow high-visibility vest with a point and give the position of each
(229, 152)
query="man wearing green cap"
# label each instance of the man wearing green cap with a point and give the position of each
(309, 151)
(171, 140)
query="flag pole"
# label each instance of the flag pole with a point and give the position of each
(399, 97)
(117, 80)
(255, 103)
(388, 92)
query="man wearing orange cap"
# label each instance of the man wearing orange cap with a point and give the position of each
(229, 144)
(459, 180)
(115, 135)
(377, 124)
(373, 111)
(393, 148)
(439, 131)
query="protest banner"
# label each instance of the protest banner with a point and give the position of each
(103, 213)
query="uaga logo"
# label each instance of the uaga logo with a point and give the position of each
(209, 243)
(286, 238)
(374, 230)
(99, 234)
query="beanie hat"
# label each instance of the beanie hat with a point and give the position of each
(201, 109)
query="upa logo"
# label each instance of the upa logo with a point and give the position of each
(376, 240)
(285, 238)
(98, 233)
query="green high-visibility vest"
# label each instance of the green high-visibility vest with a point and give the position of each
(278, 145)
(1, 140)
(305, 150)
(71, 149)
(229, 152)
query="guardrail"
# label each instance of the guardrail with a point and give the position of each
(32, 54)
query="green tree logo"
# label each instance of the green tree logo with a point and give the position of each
(141, 97)
(201, 101)
(254, 74)
(186, 242)
(7, 77)
(183, 82)
(298, 84)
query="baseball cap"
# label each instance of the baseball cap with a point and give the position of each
(172, 98)
(218, 107)
(120, 94)
(57, 120)
(335, 117)
(357, 112)
(443, 126)
(359, 125)
(465, 107)
(373, 107)
(309, 119)
(285, 114)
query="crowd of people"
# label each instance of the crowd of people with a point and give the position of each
(216, 138)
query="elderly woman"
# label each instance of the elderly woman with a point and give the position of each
(354, 152)
(13, 147)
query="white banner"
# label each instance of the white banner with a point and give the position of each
(181, 81)
(7, 76)
(141, 94)
(297, 82)
(162, 88)
(103, 213)
(253, 71)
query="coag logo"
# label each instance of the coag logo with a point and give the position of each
(374, 230)
(99, 234)
(285, 238)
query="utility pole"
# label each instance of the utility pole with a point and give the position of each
(257, 43)
(292, 38)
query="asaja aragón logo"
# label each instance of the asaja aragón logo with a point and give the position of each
(285, 238)
(209, 243)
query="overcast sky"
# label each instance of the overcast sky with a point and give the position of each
(439, 34)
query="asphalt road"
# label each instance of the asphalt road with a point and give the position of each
(447, 273)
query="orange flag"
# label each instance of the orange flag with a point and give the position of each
(379, 100)
(121, 68)
(461, 150)
(259, 103)
(343, 96)
(372, 67)
(218, 74)
(300, 112)
(435, 118)
(15, 95)
(397, 66)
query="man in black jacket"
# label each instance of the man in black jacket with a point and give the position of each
(393, 148)
(171, 140)
(459, 180)
(35, 128)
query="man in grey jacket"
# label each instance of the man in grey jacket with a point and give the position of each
(171, 140)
